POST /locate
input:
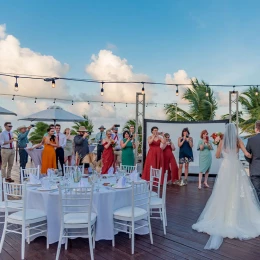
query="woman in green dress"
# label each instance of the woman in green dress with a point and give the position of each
(128, 146)
(205, 158)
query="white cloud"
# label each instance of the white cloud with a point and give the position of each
(15, 59)
(111, 46)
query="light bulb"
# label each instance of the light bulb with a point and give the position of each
(53, 83)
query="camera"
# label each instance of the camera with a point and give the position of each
(116, 125)
(32, 125)
(131, 136)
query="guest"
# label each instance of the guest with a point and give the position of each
(205, 158)
(169, 161)
(62, 140)
(51, 126)
(68, 149)
(22, 143)
(127, 145)
(185, 142)
(108, 154)
(154, 156)
(132, 133)
(50, 142)
(7, 151)
(81, 146)
(117, 149)
(99, 137)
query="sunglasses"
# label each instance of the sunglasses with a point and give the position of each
(9, 126)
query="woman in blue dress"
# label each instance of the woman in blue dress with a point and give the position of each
(205, 158)
(185, 142)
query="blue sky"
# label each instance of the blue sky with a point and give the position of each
(217, 41)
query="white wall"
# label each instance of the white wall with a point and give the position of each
(175, 129)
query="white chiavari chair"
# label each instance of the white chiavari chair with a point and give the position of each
(68, 170)
(159, 203)
(31, 222)
(25, 173)
(125, 218)
(76, 216)
(128, 168)
(156, 175)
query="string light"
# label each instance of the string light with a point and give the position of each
(13, 98)
(207, 90)
(72, 103)
(125, 104)
(35, 100)
(234, 92)
(102, 104)
(54, 101)
(114, 104)
(102, 90)
(16, 84)
(156, 105)
(177, 90)
(143, 91)
(257, 91)
(88, 102)
(53, 83)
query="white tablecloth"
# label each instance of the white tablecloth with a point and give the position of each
(105, 202)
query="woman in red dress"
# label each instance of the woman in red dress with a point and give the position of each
(169, 161)
(154, 156)
(108, 153)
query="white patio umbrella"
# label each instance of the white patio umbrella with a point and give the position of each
(55, 114)
(4, 111)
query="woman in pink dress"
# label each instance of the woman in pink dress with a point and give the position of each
(108, 153)
(154, 156)
(170, 164)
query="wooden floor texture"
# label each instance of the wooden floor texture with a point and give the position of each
(184, 205)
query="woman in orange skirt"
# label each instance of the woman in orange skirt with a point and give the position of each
(48, 153)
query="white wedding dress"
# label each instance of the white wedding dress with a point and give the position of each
(233, 209)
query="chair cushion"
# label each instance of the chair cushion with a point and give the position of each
(78, 218)
(13, 205)
(30, 215)
(155, 201)
(127, 212)
(154, 194)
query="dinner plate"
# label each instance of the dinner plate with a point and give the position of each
(33, 184)
(50, 189)
(126, 187)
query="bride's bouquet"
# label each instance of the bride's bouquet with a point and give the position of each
(217, 136)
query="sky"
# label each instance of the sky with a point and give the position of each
(162, 41)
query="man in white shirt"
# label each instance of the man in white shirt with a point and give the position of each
(60, 149)
(7, 151)
(117, 149)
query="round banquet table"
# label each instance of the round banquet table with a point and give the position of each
(105, 202)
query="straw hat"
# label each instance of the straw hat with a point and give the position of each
(82, 129)
(101, 127)
(21, 127)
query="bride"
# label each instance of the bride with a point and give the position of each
(233, 209)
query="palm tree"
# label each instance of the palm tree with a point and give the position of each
(87, 123)
(38, 132)
(250, 102)
(202, 104)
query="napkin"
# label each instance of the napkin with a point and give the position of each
(45, 183)
(110, 171)
(134, 176)
(121, 182)
(34, 179)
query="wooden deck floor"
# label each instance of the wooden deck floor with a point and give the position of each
(184, 205)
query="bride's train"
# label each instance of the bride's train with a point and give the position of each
(233, 210)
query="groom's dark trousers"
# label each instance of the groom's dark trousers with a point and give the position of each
(253, 147)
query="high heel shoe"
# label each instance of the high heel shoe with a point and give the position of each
(206, 185)
(199, 187)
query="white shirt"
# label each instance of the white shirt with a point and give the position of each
(61, 139)
(117, 138)
(4, 137)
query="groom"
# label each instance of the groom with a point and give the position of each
(253, 147)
